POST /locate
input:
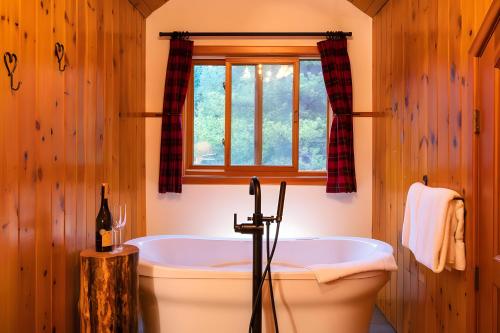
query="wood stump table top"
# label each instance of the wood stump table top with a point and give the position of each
(125, 251)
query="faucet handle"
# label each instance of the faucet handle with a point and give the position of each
(236, 226)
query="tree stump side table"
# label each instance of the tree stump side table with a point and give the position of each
(109, 290)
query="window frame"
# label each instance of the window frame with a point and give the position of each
(259, 115)
(237, 174)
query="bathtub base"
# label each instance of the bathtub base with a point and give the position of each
(223, 306)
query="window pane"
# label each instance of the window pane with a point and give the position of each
(209, 111)
(243, 115)
(277, 112)
(312, 117)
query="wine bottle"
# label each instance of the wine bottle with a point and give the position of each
(104, 224)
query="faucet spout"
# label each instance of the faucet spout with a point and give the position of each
(255, 190)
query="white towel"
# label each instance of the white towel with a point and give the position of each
(433, 227)
(377, 261)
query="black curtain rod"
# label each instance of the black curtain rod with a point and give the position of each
(258, 34)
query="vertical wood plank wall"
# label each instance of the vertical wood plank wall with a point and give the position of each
(422, 72)
(60, 137)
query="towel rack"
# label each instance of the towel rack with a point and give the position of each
(425, 180)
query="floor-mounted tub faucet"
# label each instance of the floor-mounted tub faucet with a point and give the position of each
(256, 228)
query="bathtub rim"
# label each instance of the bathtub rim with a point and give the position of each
(153, 269)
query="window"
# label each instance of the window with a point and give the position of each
(258, 115)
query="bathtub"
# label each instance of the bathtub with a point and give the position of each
(193, 284)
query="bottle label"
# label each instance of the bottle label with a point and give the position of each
(106, 236)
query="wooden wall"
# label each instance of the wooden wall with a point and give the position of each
(146, 7)
(422, 73)
(370, 7)
(60, 137)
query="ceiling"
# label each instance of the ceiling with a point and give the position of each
(370, 7)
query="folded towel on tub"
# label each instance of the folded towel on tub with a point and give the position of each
(433, 227)
(377, 261)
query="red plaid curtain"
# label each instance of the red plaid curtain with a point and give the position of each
(337, 75)
(176, 84)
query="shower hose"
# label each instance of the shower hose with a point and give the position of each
(267, 271)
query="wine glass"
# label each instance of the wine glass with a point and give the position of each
(119, 222)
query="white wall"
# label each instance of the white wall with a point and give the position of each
(208, 209)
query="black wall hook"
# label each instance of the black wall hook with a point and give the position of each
(59, 52)
(425, 180)
(10, 61)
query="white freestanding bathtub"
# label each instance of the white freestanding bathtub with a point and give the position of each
(191, 284)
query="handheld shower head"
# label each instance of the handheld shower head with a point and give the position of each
(281, 202)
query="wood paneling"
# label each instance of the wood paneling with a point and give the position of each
(370, 7)
(486, 50)
(146, 7)
(60, 137)
(422, 72)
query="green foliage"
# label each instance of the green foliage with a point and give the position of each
(277, 103)
(312, 114)
(242, 115)
(209, 110)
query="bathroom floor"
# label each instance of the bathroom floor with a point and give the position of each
(379, 324)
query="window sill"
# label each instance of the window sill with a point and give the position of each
(235, 180)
